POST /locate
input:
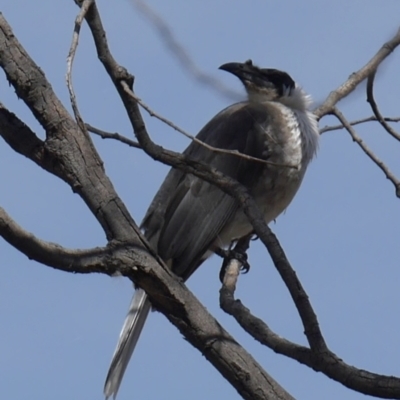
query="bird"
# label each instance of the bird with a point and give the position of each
(190, 218)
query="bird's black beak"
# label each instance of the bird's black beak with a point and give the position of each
(253, 77)
(244, 71)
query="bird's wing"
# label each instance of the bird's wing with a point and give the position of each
(188, 213)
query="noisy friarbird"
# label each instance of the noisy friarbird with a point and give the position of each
(189, 217)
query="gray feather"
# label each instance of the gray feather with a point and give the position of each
(133, 325)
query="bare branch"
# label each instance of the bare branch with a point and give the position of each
(296, 290)
(357, 77)
(51, 254)
(21, 71)
(356, 122)
(70, 59)
(389, 175)
(181, 54)
(114, 136)
(375, 109)
(254, 326)
(326, 361)
(67, 152)
(116, 258)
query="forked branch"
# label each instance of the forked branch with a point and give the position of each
(383, 167)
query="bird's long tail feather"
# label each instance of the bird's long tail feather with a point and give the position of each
(133, 325)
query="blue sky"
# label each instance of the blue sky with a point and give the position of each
(340, 233)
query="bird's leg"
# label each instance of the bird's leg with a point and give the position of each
(235, 253)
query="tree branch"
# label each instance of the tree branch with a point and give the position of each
(171, 296)
(20, 137)
(357, 77)
(70, 59)
(389, 175)
(326, 362)
(51, 254)
(356, 122)
(114, 136)
(67, 152)
(375, 109)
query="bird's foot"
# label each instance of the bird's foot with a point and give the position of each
(228, 256)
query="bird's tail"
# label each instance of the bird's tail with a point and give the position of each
(133, 325)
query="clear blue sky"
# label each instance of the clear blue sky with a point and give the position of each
(341, 233)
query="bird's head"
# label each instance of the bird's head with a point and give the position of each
(267, 84)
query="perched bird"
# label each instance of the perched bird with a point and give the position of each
(189, 218)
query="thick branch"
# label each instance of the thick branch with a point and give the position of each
(67, 152)
(168, 295)
(20, 137)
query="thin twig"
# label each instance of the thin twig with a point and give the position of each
(375, 109)
(114, 136)
(70, 59)
(356, 122)
(181, 54)
(367, 150)
(152, 113)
